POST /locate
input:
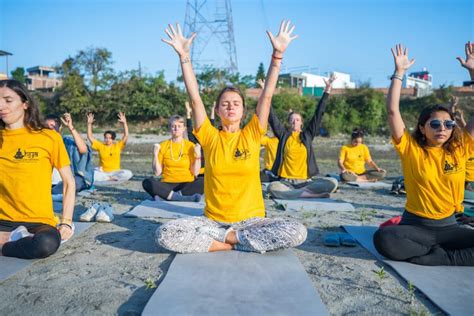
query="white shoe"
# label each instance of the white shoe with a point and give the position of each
(19, 233)
(89, 214)
(105, 214)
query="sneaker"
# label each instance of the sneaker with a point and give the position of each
(105, 214)
(19, 233)
(89, 214)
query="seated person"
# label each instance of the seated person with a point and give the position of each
(179, 161)
(29, 152)
(109, 152)
(234, 216)
(353, 158)
(78, 151)
(295, 163)
(434, 165)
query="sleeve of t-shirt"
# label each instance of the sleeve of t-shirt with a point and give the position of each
(59, 156)
(255, 129)
(205, 133)
(468, 142)
(191, 153)
(264, 140)
(405, 143)
(342, 153)
(121, 144)
(367, 156)
(96, 145)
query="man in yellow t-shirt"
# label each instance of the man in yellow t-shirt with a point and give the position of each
(109, 152)
(352, 160)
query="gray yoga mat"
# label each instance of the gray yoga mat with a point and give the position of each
(370, 185)
(315, 205)
(236, 283)
(166, 209)
(10, 266)
(450, 288)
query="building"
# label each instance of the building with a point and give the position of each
(311, 84)
(42, 78)
(421, 81)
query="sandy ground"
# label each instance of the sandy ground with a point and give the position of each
(113, 268)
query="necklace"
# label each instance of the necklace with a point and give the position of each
(180, 152)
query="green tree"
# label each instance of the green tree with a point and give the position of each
(95, 64)
(19, 74)
(260, 74)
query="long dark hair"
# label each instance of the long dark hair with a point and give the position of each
(454, 141)
(32, 119)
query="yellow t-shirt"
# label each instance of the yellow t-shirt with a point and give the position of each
(434, 180)
(176, 160)
(109, 156)
(295, 165)
(27, 159)
(271, 146)
(355, 157)
(232, 183)
(470, 162)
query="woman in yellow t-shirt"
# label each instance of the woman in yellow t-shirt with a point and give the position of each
(178, 160)
(109, 152)
(234, 213)
(434, 166)
(270, 145)
(295, 162)
(28, 153)
(353, 158)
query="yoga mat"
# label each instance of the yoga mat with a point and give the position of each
(166, 209)
(450, 288)
(370, 185)
(236, 283)
(315, 205)
(9, 266)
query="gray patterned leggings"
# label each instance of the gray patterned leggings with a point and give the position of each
(185, 235)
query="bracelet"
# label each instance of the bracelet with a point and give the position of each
(64, 224)
(197, 158)
(274, 57)
(396, 76)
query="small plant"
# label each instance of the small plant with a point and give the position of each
(381, 273)
(150, 284)
(411, 291)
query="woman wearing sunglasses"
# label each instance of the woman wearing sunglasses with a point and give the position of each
(434, 165)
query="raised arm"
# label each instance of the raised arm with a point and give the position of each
(280, 44)
(313, 125)
(80, 143)
(189, 123)
(468, 63)
(213, 113)
(156, 164)
(90, 121)
(402, 63)
(182, 46)
(277, 127)
(123, 120)
(456, 112)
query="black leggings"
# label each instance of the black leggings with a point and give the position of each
(44, 243)
(451, 245)
(163, 189)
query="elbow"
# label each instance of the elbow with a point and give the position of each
(82, 150)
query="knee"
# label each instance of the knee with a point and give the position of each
(301, 233)
(45, 244)
(385, 241)
(332, 183)
(146, 184)
(170, 236)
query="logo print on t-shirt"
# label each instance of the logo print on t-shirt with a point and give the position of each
(26, 156)
(241, 154)
(450, 167)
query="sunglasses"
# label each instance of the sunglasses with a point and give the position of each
(448, 124)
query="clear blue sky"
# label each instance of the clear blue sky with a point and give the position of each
(341, 35)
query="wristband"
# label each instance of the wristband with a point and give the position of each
(396, 76)
(64, 224)
(66, 220)
(274, 57)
